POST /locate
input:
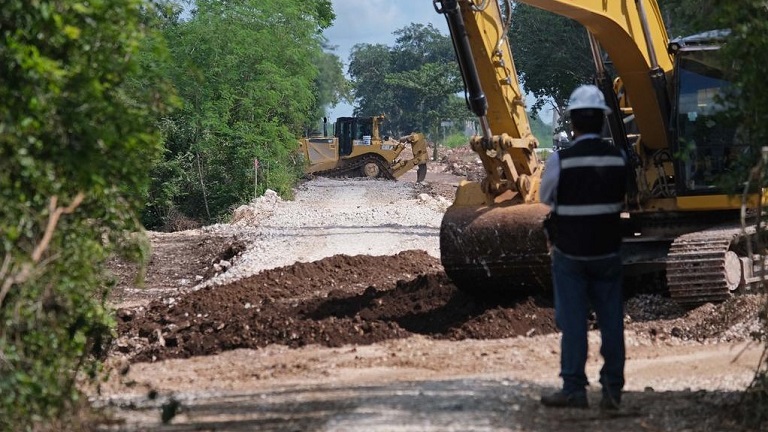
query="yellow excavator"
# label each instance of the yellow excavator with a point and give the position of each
(677, 220)
(357, 149)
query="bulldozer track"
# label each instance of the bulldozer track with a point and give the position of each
(700, 266)
(353, 167)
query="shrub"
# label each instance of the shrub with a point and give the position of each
(75, 149)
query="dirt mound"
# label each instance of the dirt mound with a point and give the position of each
(464, 162)
(335, 301)
(736, 319)
(367, 299)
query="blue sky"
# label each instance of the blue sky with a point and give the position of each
(374, 22)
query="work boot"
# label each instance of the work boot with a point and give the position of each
(610, 402)
(562, 400)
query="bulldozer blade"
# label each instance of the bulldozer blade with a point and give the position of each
(421, 173)
(496, 250)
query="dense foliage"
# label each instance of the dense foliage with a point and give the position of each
(247, 76)
(75, 149)
(746, 49)
(687, 17)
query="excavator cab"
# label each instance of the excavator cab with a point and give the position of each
(706, 141)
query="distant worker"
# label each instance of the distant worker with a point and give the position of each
(584, 186)
(560, 141)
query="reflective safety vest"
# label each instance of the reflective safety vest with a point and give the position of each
(590, 197)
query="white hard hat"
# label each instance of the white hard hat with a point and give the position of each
(587, 97)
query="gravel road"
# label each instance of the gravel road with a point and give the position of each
(330, 217)
(684, 370)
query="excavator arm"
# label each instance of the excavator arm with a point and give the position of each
(490, 237)
(507, 146)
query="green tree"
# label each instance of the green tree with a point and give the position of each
(368, 66)
(745, 50)
(687, 17)
(430, 90)
(550, 72)
(246, 72)
(155, 67)
(547, 70)
(76, 143)
(413, 83)
(331, 86)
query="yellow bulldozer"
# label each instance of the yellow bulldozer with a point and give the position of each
(357, 149)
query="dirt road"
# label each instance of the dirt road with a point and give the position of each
(332, 313)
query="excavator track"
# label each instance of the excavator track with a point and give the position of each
(702, 267)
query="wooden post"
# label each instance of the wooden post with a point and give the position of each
(255, 178)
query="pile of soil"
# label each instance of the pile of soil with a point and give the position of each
(335, 301)
(463, 162)
(361, 300)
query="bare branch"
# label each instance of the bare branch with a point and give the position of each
(26, 269)
(6, 265)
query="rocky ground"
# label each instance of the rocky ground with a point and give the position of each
(332, 312)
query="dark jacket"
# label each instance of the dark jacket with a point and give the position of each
(590, 197)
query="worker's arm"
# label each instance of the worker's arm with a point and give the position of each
(549, 180)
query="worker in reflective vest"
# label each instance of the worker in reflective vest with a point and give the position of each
(585, 185)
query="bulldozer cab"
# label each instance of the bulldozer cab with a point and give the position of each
(348, 132)
(352, 131)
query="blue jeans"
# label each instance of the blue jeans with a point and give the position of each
(578, 285)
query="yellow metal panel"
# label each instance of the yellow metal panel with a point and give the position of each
(322, 150)
(714, 202)
(470, 194)
(496, 70)
(616, 25)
